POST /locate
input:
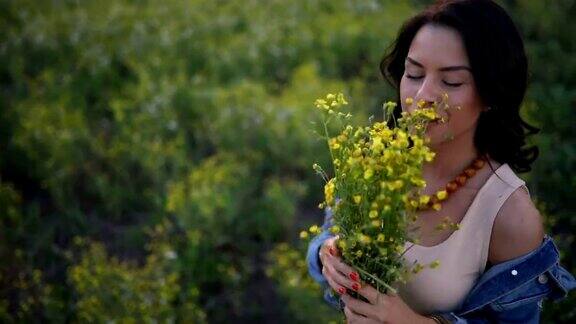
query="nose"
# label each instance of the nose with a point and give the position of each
(428, 92)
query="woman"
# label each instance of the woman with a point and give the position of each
(499, 265)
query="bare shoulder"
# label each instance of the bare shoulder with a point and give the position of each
(517, 230)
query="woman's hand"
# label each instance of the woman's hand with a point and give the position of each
(338, 274)
(381, 308)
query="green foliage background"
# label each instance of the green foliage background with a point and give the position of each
(155, 157)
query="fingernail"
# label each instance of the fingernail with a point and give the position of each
(332, 252)
(341, 290)
(354, 276)
(356, 286)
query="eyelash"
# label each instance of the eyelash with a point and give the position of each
(453, 85)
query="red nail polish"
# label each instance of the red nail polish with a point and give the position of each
(354, 276)
(332, 252)
(341, 290)
(356, 286)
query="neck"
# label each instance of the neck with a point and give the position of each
(452, 157)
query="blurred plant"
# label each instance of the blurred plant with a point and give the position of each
(108, 289)
(300, 293)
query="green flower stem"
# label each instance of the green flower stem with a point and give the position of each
(378, 280)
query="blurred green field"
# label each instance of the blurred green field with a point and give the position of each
(155, 157)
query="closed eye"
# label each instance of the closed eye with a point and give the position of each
(413, 77)
(454, 85)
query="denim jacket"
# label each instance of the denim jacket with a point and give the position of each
(508, 292)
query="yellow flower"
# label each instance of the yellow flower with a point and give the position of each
(303, 235)
(365, 239)
(441, 226)
(381, 237)
(368, 174)
(351, 161)
(424, 199)
(321, 104)
(357, 199)
(341, 99)
(377, 145)
(334, 144)
(398, 184)
(329, 192)
(441, 195)
(335, 229)
(434, 264)
(314, 229)
(437, 206)
(409, 101)
(373, 214)
(417, 268)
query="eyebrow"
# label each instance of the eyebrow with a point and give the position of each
(446, 68)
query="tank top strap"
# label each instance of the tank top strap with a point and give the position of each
(485, 208)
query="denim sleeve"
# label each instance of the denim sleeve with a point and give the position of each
(528, 313)
(314, 265)
(312, 258)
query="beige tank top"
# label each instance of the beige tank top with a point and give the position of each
(462, 255)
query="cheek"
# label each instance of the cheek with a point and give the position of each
(467, 98)
(406, 91)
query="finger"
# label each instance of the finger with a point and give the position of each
(330, 247)
(346, 270)
(359, 307)
(329, 275)
(371, 294)
(334, 250)
(337, 276)
(352, 317)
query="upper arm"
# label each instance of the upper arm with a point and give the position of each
(517, 230)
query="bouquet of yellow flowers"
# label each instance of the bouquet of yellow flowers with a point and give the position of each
(375, 190)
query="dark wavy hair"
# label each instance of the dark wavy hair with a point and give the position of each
(499, 66)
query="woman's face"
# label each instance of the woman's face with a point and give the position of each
(437, 64)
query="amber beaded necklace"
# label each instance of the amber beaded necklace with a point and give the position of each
(453, 186)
